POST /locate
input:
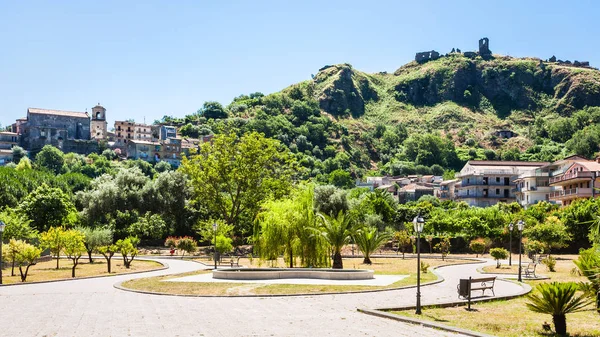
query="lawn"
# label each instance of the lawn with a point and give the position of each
(511, 318)
(46, 271)
(382, 266)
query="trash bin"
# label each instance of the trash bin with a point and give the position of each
(464, 288)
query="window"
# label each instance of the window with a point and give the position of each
(497, 191)
(497, 179)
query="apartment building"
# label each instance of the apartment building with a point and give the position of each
(485, 182)
(447, 190)
(573, 178)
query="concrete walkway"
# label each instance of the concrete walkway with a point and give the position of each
(93, 307)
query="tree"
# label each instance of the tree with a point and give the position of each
(108, 252)
(163, 166)
(277, 231)
(404, 241)
(74, 247)
(50, 158)
(557, 299)
(233, 175)
(18, 153)
(94, 238)
(17, 226)
(47, 207)
(9, 253)
(223, 244)
(341, 178)
(369, 240)
(54, 240)
(337, 232)
(186, 244)
(128, 249)
(498, 254)
(24, 164)
(212, 109)
(330, 200)
(26, 255)
(150, 226)
(477, 246)
(443, 247)
(552, 233)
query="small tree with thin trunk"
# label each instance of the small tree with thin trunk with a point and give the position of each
(26, 256)
(94, 238)
(429, 239)
(53, 239)
(499, 254)
(74, 247)
(186, 244)
(108, 252)
(477, 246)
(443, 247)
(404, 241)
(128, 249)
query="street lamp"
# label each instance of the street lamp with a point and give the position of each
(215, 241)
(520, 226)
(510, 227)
(2, 225)
(418, 223)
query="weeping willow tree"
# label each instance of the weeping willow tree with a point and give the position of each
(286, 227)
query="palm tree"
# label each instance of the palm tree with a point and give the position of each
(369, 240)
(337, 231)
(557, 299)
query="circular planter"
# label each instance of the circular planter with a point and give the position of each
(281, 273)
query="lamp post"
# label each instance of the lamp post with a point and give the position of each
(2, 225)
(215, 241)
(418, 223)
(520, 226)
(510, 228)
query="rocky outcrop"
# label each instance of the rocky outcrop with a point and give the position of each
(507, 84)
(347, 93)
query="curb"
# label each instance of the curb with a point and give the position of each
(428, 324)
(164, 266)
(383, 312)
(440, 279)
(511, 276)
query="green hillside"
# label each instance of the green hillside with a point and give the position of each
(422, 116)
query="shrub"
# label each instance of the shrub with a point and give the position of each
(477, 246)
(498, 254)
(187, 244)
(443, 247)
(550, 263)
(424, 267)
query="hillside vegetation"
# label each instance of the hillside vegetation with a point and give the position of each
(423, 118)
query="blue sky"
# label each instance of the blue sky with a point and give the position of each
(153, 58)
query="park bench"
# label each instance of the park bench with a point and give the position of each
(530, 270)
(230, 260)
(465, 286)
(541, 257)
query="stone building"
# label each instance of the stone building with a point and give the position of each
(99, 125)
(66, 130)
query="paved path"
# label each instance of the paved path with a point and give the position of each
(93, 307)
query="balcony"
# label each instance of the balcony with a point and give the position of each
(571, 193)
(571, 177)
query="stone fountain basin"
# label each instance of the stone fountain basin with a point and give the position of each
(285, 273)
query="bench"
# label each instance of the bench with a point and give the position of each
(233, 261)
(530, 270)
(465, 286)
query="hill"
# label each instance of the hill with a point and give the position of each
(424, 115)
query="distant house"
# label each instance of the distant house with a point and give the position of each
(447, 190)
(487, 182)
(412, 192)
(8, 140)
(144, 150)
(5, 157)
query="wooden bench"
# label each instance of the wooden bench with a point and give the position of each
(530, 270)
(465, 286)
(233, 261)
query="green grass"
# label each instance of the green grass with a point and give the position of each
(511, 318)
(382, 266)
